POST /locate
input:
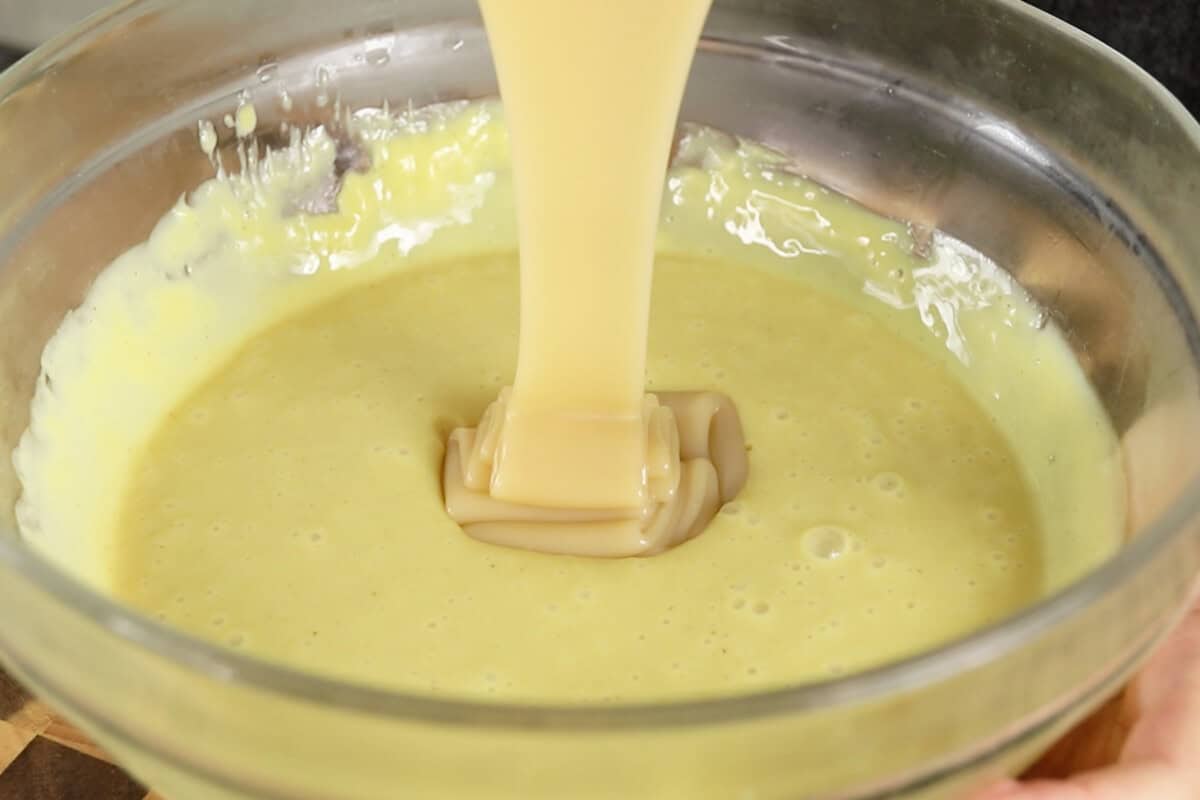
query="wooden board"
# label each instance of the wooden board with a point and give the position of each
(44, 757)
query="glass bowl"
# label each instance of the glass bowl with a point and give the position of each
(984, 118)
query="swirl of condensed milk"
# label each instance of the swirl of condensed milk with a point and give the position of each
(695, 461)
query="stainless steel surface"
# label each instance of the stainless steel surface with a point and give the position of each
(981, 117)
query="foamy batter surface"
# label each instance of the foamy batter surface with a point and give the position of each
(292, 505)
(267, 456)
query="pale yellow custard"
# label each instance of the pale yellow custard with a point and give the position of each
(249, 414)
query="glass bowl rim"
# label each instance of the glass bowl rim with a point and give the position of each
(222, 665)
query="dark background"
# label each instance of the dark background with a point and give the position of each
(1161, 35)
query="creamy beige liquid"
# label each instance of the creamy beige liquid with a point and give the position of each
(884, 512)
(575, 459)
(262, 468)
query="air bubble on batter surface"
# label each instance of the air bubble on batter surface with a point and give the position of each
(889, 483)
(826, 542)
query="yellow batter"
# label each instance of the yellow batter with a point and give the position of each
(249, 413)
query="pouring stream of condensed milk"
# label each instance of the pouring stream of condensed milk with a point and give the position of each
(575, 457)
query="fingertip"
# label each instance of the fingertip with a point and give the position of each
(1037, 790)
(1007, 790)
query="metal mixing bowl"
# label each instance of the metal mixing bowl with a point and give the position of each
(985, 118)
